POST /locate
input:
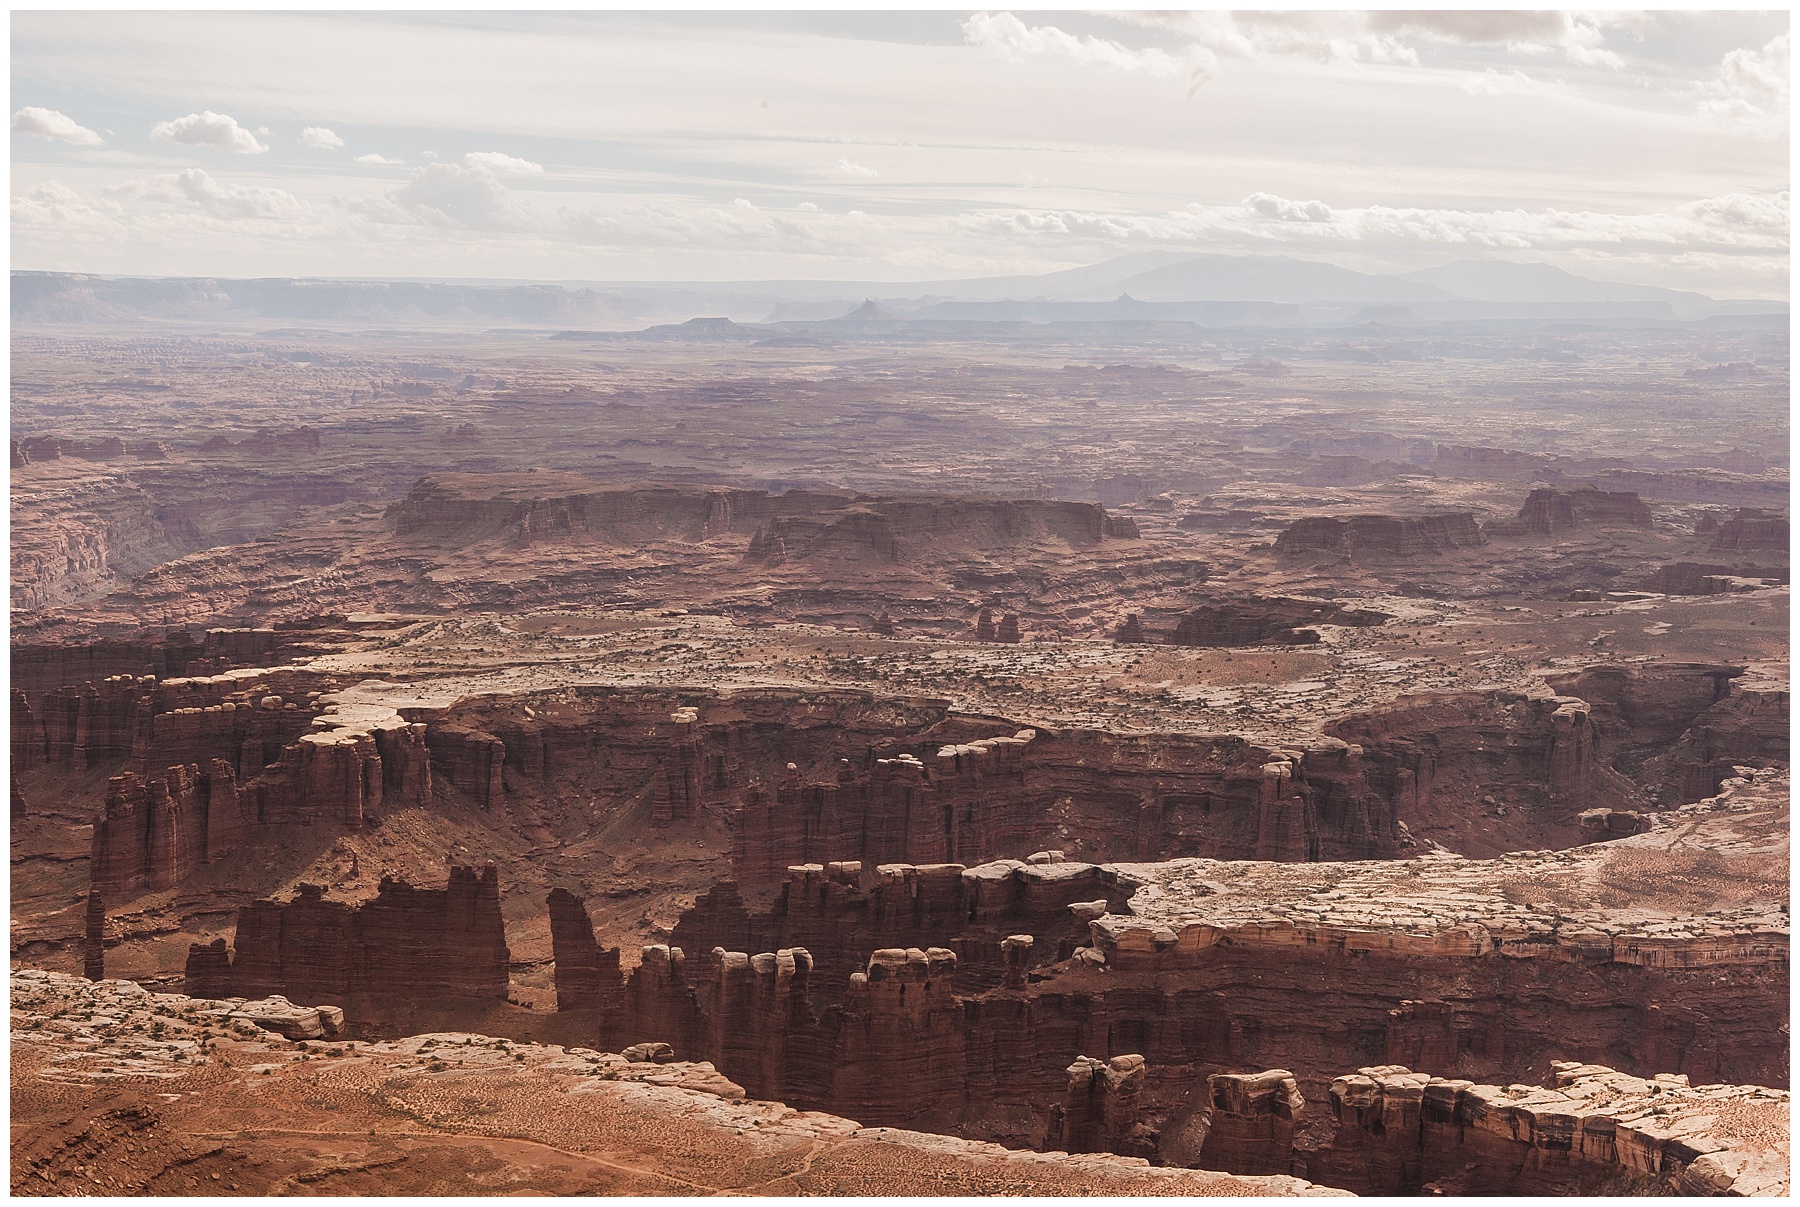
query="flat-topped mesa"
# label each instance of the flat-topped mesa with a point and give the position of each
(1549, 510)
(1753, 528)
(1253, 1117)
(465, 508)
(1591, 1127)
(408, 947)
(1380, 537)
(1266, 621)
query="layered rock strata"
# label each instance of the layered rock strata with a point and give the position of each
(119, 1090)
(1590, 1130)
(1380, 537)
(407, 946)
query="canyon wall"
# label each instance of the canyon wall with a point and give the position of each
(1379, 537)
(406, 947)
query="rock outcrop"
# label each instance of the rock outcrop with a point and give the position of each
(1101, 1108)
(1753, 529)
(1266, 621)
(1380, 537)
(1591, 1130)
(1253, 1120)
(406, 947)
(1549, 510)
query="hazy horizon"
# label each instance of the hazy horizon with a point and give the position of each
(898, 148)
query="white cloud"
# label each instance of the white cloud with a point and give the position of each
(1751, 91)
(1282, 210)
(378, 159)
(1735, 224)
(1505, 83)
(1575, 35)
(807, 207)
(743, 203)
(1011, 39)
(208, 129)
(446, 194)
(48, 123)
(849, 168)
(504, 165)
(320, 139)
(197, 188)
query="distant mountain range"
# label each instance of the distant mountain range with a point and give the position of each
(1210, 290)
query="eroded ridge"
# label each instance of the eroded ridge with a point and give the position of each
(116, 1090)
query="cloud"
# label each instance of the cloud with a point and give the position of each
(849, 168)
(378, 159)
(197, 188)
(1751, 91)
(208, 129)
(744, 203)
(320, 139)
(1505, 83)
(1731, 225)
(1575, 35)
(446, 194)
(1282, 210)
(48, 123)
(504, 165)
(807, 207)
(1011, 39)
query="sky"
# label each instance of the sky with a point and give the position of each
(904, 146)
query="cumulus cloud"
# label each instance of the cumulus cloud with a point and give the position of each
(849, 168)
(320, 139)
(197, 188)
(378, 159)
(48, 123)
(1282, 210)
(208, 129)
(1006, 36)
(1751, 91)
(1577, 36)
(449, 195)
(504, 165)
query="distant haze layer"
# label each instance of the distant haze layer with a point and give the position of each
(1643, 148)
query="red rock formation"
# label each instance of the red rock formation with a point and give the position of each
(1253, 1120)
(984, 625)
(1379, 537)
(1101, 1106)
(587, 975)
(1549, 510)
(153, 835)
(897, 1043)
(1131, 631)
(1401, 1132)
(93, 942)
(406, 947)
(1008, 629)
(1753, 528)
(1266, 621)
